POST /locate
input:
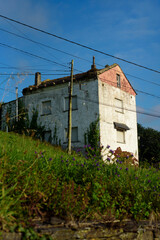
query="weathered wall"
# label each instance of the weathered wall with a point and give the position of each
(109, 114)
(94, 98)
(87, 108)
(109, 77)
(10, 109)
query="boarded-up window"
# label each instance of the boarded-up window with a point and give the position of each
(74, 134)
(120, 136)
(118, 105)
(74, 103)
(46, 107)
(118, 80)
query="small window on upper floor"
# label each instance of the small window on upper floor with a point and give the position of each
(74, 103)
(119, 105)
(118, 81)
(46, 108)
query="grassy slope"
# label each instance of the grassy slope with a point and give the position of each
(39, 179)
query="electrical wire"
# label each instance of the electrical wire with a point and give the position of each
(45, 45)
(6, 90)
(137, 90)
(79, 44)
(113, 106)
(33, 55)
(31, 74)
(26, 37)
(58, 64)
(32, 69)
(108, 81)
(108, 105)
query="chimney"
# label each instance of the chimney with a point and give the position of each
(93, 66)
(37, 79)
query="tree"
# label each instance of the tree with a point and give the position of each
(149, 145)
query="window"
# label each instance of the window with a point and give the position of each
(120, 136)
(121, 128)
(46, 108)
(118, 81)
(118, 105)
(74, 134)
(74, 103)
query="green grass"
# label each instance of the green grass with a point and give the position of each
(37, 179)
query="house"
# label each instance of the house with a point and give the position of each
(104, 93)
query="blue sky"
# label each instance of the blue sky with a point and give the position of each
(126, 29)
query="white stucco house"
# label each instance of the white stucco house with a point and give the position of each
(104, 93)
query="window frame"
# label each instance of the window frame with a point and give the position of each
(118, 109)
(42, 108)
(121, 127)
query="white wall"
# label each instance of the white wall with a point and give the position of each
(87, 112)
(109, 115)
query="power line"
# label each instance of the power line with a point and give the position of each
(109, 105)
(6, 90)
(137, 90)
(29, 38)
(142, 79)
(45, 45)
(58, 64)
(31, 54)
(79, 44)
(31, 69)
(45, 74)
(31, 74)
(131, 110)
(152, 95)
(20, 67)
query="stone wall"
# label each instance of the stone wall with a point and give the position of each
(115, 230)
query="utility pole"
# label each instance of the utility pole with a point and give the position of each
(16, 104)
(70, 111)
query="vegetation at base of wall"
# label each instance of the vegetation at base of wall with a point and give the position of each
(22, 125)
(56, 141)
(92, 139)
(39, 180)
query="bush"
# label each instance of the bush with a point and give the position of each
(39, 180)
